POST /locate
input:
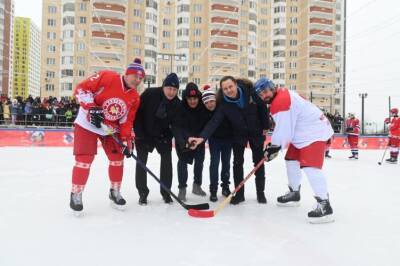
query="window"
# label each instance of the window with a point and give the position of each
(51, 48)
(183, 8)
(66, 86)
(68, 34)
(81, 73)
(197, 7)
(279, 65)
(137, 25)
(166, 34)
(82, 20)
(49, 87)
(137, 52)
(82, 33)
(51, 35)
(137, 38)
(197, 32)
(137, 13)
(83, 7)
(197, 44)
(67, 47)
(81, 46)
(50, 74)
(68, 7)
(166, 45)
(196, 69)
(67, 60)
(69, 20)
(80, 60)
(197, 20)
(51, 22)
(52, 9)
(67, 73)
(293, 42)
(293, 53)
(50, 61)
(166, 21)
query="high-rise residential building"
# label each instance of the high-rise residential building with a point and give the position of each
(6, 44)
(299, 46)
(296, 43)
(26, 58)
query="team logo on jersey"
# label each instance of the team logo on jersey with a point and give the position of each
(114, 109)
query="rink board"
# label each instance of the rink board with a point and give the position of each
(65, 138)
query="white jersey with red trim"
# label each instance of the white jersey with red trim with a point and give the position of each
(297, 121)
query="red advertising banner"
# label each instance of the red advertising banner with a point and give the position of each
(65, 138)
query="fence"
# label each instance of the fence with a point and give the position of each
(37, 120)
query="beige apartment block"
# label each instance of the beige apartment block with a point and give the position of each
(298, 44)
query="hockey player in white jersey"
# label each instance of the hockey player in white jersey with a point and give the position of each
(304, 130)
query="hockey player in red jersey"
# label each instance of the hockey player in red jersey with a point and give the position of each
(110, 99)
(352, 131)
(394, 135)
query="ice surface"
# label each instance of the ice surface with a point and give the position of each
(37, 227)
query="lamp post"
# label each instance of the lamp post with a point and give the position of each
(363, 96)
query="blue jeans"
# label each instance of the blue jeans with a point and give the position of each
(197, 168)
(220, 149)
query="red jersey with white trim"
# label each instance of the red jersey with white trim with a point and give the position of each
(297, 121)
(394, 128)
(106, 89)
(352, 126)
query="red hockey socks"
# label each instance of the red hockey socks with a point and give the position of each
(115, 172)
(80, 172)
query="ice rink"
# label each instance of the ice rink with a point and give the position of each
(37, 227)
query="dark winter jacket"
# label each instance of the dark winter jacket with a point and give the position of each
(248, 117)
(155, 117)
(190, 123)
(224, 130)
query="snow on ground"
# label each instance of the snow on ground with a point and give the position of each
(37, 227)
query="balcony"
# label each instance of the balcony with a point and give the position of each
(321, 55)
(323, 21)
(225, 46)
(225, 21)
(225, 8)
(109, 7)
(109, 21)
(108, 35)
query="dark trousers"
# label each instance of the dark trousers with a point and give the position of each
(238, 160)
(165, 167)
(220, 150)
(198, 157)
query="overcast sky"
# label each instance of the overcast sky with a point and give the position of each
(373, 52)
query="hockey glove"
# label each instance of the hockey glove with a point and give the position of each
(96, 116)
(127, 148)
(271, 151)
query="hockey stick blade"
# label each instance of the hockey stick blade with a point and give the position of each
(202, 206)
(201, 214)
(197, 207)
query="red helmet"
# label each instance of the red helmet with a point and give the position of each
(394, 111)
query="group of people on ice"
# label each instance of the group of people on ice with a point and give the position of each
(237, 115)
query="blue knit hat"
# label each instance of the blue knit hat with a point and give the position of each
(135, 68)
(171, 80)
(263, 84)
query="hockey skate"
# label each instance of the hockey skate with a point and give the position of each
(76, 204)
(391, 160)
(117, 201)
(322, 213)
(290, 199)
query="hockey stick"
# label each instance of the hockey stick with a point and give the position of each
(202, 206)
(384, 153)
(212, 213)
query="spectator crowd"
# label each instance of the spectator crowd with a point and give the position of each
(38, 112)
